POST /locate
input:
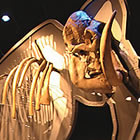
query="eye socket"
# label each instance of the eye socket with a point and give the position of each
(82, 52)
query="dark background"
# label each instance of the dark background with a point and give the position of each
(27, 14)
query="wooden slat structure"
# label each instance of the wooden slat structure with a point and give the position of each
(56, 120)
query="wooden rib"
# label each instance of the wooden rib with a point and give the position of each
(41, 81)
(20, 110)
(6, 84)
(45, 98)
(25, 70)
(36, 51)
(31, 94)
(15, 83)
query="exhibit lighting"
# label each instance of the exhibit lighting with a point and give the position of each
(139, 100)
(128, 98)
(5, 18)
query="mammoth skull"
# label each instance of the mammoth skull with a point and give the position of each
(90, 55)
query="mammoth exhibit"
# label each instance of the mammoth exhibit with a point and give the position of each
(56, 68)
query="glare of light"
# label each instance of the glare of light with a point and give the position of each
(5, 18)
(99, 94)
(93, 93)
(128, 98)
(139, 100)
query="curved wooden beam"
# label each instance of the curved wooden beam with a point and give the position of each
(32, 60)
(15, 83)
(41, 82)
(45, 98)
(31, 94)
(6, 84)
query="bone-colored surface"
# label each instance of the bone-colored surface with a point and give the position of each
(45, 98)
(105, 51)
(53, 121)
(6, 84)
(41, 82)
(33, 85)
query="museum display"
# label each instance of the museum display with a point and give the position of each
(87, 60)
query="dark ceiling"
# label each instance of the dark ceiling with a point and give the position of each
(26, 14)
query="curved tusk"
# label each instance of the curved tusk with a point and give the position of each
(37, 107)
(15, 83)
(105, 54)
(6, 84)
(45, 98)
(33, 87)
(25, 69)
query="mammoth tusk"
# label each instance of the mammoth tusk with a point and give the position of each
(45, 98)
(15, 83)
(6, 84)
(37, 107)
(33, 87)
(105, 54)
(25, 69)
